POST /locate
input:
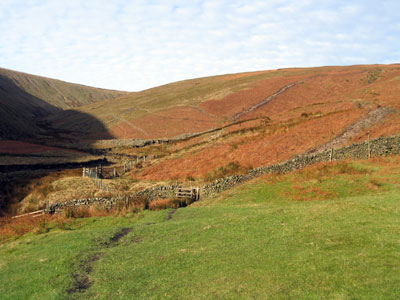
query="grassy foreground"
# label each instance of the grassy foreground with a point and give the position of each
(327, 232)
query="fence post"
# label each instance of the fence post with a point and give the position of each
(369, 148)
(83, 171)
(114, 172)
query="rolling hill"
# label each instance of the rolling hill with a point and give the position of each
(200, 104)
(252, 119)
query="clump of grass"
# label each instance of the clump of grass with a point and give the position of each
(344, 167)
(230, 169)
(13, 228)
(308, 193)
(160, 204)
(42, 226)
(323, 170)
(79, 212)
(373, 75)
(132, 204)
(63, 223)
(375, 183)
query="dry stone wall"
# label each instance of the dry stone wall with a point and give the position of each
(148, 194)
(378, 147)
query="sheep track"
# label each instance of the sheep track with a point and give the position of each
(373, 117)
(268, 99)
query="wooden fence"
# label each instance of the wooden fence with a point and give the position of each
(107, 172)
(92, 172)
(32, 214)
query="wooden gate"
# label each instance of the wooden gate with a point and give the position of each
(191, 193)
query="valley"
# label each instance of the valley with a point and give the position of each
(298, 172)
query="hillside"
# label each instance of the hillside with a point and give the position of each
(200, 104)
(251, 119)
(25, 98)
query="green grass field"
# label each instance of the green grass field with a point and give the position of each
(327, 232)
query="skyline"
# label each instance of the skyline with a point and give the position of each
(134, 45)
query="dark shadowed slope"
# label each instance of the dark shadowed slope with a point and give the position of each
(19, 110)
(25, 98)
(58, 93)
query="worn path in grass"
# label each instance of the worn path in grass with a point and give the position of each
(81, 276)
(326, 232)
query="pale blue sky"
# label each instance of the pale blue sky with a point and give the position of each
(134, 45)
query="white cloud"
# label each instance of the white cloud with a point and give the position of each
(132, 45)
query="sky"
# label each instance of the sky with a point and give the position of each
(138, 44)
